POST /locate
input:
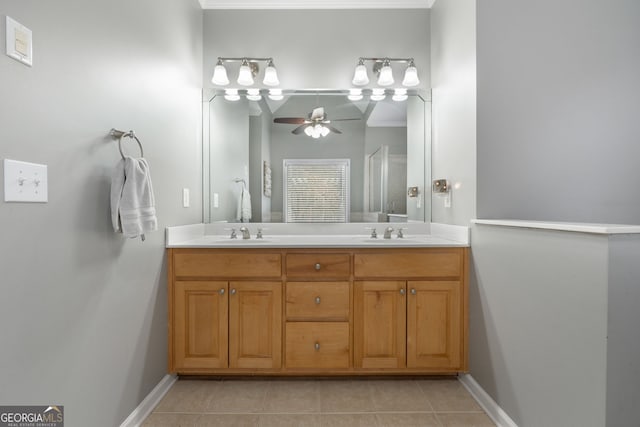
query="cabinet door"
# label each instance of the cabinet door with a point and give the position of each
(200, 320)
(255, 325)
(380, 324)
(434, 325)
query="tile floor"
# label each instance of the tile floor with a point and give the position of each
(318, 402)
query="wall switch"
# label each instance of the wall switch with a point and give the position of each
(216, 200)
(19, 42)
(25, 182)
(185, 197)
(447, 200)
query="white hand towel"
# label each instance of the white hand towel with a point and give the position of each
(244, 206)
(133, 211)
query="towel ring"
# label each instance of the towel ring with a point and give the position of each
(119, 134)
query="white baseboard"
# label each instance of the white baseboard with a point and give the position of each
(137, 417)
(489, 405)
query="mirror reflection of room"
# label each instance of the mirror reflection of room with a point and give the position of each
(315, 157)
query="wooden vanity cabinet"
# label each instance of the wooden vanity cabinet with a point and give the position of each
(315, 312)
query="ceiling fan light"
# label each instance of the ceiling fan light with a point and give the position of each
(220, 75)
(360, 77)
(275, 94)
(308, 130)
(377, 94)
(324, 131)
(386, 75)
(411, 76)
(231, 95)
(271, 75)
(253, 94)
(245, 77)
(355, 94)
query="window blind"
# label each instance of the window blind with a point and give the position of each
(316, 190)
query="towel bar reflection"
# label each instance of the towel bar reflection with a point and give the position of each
(115, 133)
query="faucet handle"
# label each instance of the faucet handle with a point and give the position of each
(374, 233)
(400, 233)
(259, 233)
(233, 233)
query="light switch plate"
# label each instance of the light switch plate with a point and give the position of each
(185, 198)
(19, 42)
(25, 182)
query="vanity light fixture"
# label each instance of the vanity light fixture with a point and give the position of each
(253, 94)
(231, 95)
(355, 94)
(377, 94)
(275, 94)
(248, 70)
(400, 94)
(382, 67)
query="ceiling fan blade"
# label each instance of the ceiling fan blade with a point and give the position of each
(290, 120)
(299, 129)
(332, 129)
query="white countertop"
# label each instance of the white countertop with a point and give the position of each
(323, 236)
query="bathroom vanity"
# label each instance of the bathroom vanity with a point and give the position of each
(323, 305)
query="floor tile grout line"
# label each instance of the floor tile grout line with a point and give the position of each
(317, 413)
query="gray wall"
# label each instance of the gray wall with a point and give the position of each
(453, 81)
(83, 310)
(538, 324)
(317, 48)
(558, 124)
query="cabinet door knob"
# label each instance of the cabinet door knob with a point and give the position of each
(413, 291)
(317, 300)
(317, 266)
(221, 291)
(317, 346)
(233, 291)
(402, 291)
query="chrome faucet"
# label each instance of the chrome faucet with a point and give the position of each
(387, 232)
(245, 233)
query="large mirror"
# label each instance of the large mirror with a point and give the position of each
(316, 156)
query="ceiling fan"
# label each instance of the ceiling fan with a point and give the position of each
(316, 125)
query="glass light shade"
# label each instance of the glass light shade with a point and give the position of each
(308, 130)
(245, 78)
(355, 94)
(271, 76)
(325, 131)
(400, 94)
(231, 95)
(360, 77)
(220, 76)
(386, 75)
(253, 95)
(275, 94)
(377, 94)
(411, 77)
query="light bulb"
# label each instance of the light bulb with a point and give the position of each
(377, 94)
(271, 75)
(325, 131)
(220, 75)
(253, 94)
(231, 95)
(308, 130)
(355, 94)
(400, 94)
(275, 94)
(411, 76)
(386, 75)
(360, 77)
(245, 78)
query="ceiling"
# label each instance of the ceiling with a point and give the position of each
(315, 4)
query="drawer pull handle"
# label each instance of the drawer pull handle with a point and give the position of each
(233, 291)
(317, 300)
(221, 291)
(317, 346)
(402, 291)
(413, 291)
(317, 266)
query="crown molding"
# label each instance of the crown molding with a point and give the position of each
(315, 4)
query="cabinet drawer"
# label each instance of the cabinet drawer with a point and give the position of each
(318, 265)
(317, 301)
(227, 264)
(431, 263)
(317, 345)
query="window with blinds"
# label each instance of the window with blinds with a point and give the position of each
(316, 190)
